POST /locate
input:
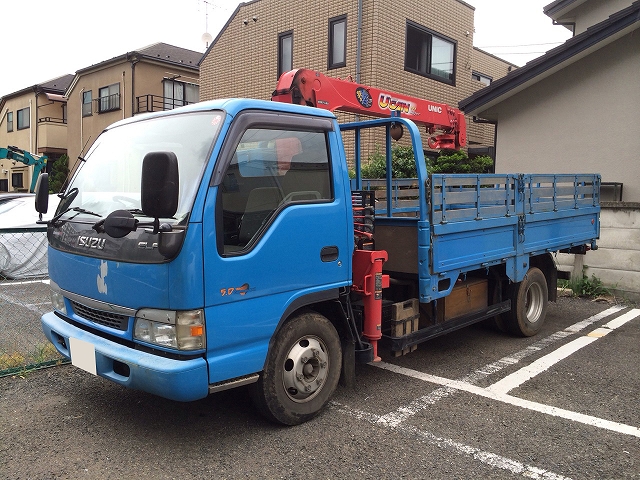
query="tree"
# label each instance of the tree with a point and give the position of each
(59, 174)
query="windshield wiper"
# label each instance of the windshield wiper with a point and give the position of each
(55, 219)
(136, 211)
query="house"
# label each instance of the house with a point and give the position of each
(421, 48)
(575, 109)
(33, 119)
(156, 77)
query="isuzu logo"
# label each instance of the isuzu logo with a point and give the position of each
(91, 242)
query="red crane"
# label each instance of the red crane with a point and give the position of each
(312, 88)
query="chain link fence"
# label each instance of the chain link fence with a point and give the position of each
(24, 297)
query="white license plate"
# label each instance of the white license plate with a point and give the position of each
(83, 355)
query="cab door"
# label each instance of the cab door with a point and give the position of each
(277, 233)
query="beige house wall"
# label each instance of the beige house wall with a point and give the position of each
(39, 137)
(148, 76)
(243, 60)
(53, 135)
(578, 120)
(487, 64)
(24, 138)
(83, 131)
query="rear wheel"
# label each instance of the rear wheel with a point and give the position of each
(302, 370)
(528, 304)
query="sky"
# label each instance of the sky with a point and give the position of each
(45, 39)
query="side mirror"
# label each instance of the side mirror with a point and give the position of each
(42, 194)
(160, 184)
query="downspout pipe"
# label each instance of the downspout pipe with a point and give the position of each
(133, 59)
(81, 119)
(495, 136)
(35, 90)
(359, 43)
(359, 49)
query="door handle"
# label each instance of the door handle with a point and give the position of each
(329, 253)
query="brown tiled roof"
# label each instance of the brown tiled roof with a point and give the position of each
(170, 53)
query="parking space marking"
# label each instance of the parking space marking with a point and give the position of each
(46, 281)
(491, 459)
(515, 401)
(521, 376)
(404, 412)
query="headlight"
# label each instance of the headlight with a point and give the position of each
(57, 299)
(184, 330)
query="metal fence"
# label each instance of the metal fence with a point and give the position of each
(24, 297)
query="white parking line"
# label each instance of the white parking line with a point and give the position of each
(46, 281)
(404, 412)
(393, 420)
(519, 377)
(518, 402)
(488, 458)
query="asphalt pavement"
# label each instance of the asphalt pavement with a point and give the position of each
(472, 404)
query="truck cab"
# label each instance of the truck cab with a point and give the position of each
(260, 231)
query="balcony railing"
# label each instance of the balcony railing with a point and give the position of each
(156, 103)
(108, 103)
(52, 120)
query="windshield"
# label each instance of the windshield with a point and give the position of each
(109, 178)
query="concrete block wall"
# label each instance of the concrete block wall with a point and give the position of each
(617, 260)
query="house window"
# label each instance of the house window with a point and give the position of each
(177, 94)
(10, 122)
(109, 98)
(285, 52)
(17, 180)
(64, 113)
(338, 42)
(86, 103)
(24, 118)
(484, 79)
(429, 54)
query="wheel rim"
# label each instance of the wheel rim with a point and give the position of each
(534, 303)
(305, 369)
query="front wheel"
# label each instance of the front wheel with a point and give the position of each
(302, 370)
(528, 304)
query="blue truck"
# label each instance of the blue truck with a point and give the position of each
(224, 244)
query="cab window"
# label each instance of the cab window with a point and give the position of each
(270, 170)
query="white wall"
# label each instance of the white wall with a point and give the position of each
(583, 119)
(590, 13)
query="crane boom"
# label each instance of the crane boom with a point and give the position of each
(39, 162)
(309, 87)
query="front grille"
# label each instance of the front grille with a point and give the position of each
(107, 319)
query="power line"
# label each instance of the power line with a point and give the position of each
(525, 45)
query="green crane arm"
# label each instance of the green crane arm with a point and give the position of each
(39, 162)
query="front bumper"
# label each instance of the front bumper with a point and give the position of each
(181, 380)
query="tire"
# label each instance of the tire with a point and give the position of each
(529, 300)
(302, 370)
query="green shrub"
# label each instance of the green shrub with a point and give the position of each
(586, 286)
(459, 162)
(403, 163)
